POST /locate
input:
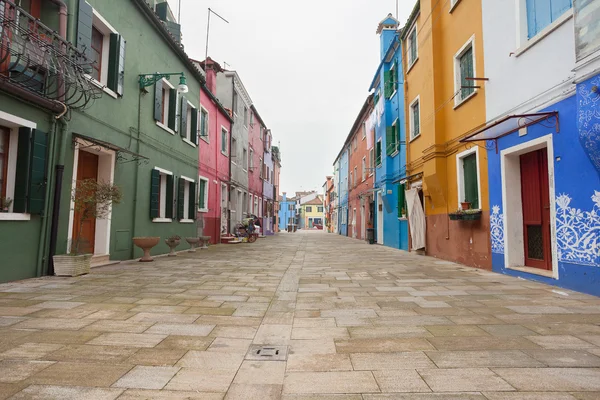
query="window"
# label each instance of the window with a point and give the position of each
(244, 158)
(251, 161)
(392, 138)
(355, 176)
(415, 119)
(351, 181)
(188, 122)
(260, 161)
(203, 133)
(364, 130)
(401, 201)
(234, 102)
(97, 42)
(320, 209)
(364, 168)
(251, 204)
(308, 209)
(186, 200)
(413, 48)
(245, 204)
(161, 195)
(464, 67)
(233, 150)
(467, 179)
(255, 205)
(541, 13)
(165, 105)
(202, 194)
(224, 140)
(251, 119)
(378, 153)
(245, 116)
(391, 80)
(291, 207)
(371, 161)
(355, 143)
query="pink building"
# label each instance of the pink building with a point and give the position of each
(214, 126)
(255, 161)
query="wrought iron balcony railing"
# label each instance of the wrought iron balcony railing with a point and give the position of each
(36, 58)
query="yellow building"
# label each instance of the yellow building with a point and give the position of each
(313, 213)
(443, 52)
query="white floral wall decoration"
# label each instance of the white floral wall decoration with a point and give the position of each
(589, 119)
(497, 230)
(578, 232)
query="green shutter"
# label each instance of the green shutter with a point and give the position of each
(390, 145)
(470, 175)
(154, 193)
(192, 204)
(116, 64)
(387, 83)
(84, 32)
(162, 10)
(172, 120)
(201, 203)
(184, 117)
(466, 71)
(401, 201)
(30, 179)
(416, 120)
(169, 200)
(378, 153)
(194, 130)
(158, 100)
(180, 198)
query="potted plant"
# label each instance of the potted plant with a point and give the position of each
(92, 200)
(465, 205)
(5, 203)
(173, 242)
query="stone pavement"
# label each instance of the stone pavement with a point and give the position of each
(359, 321)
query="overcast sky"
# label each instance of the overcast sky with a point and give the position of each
(306, 65)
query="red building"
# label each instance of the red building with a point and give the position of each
(360, 175)
(256, 132)
(214, 127)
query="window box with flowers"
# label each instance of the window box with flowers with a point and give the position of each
(465, 215)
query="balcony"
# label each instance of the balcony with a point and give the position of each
(36, 61)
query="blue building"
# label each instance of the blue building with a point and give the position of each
(391, 225)
(287, 212)
(543, 143)
(341, 163)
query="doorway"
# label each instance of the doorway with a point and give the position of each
(363, 222)
(87, 169)
(536, 209)
(354, 223)
(379, 217)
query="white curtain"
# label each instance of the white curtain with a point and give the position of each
(416, 218)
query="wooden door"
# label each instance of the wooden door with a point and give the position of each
(87, 168)
(536, 209)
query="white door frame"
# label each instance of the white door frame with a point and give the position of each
(379, 217)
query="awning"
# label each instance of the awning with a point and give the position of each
(109, 146)
(509, 124)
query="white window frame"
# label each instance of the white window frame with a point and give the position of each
(233, 150)
(256, 202)
(12, 122)
(188, 133)
(395, 125)
(355, 183)
(251, 160)
(364, 168)
(393, 71)
(453, 4)
(244, 163)
(458, 100)
(166, 103)
(205, 179)
(364, 130)
(410, 62)
(245, 116)
(251, 203)
(523, 42)
(226, 141)
(460, 174)
(371, 161)
(207, 137)
(375, 154)
(104, 27)
(163, 196)
(187, 218)
(411, 118)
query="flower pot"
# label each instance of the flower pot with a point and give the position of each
(465, 205)
(66, 265)
(146, 243)
(204, 240)
(193, 242)
(172, 245)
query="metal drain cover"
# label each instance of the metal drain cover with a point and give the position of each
(267, 353)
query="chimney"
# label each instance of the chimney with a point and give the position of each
(211, 75)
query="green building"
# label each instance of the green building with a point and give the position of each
(81, 98)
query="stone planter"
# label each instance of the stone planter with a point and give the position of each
(65, 265)
(193, 242)
(172, 245)
(204, 242)
(146, 243)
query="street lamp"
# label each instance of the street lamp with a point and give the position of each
(150, 79)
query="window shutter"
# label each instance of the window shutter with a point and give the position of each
(201, 203)
(466, 71)
(172, 121)
(158, 100)
(401, 200)
(154, 193)
(180, 198)
(470, 179)
(194, 130)
(378, 155)
(116, 64)
(84, 32)
(387, 84)
(169, 200)
(30, 179)
(184, 117)
(193, 201)
(389, 140)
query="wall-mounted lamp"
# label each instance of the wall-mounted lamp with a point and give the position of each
(150, 79)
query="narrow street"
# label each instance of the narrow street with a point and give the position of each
(358, 321)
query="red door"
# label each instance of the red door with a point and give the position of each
(87, 168)
(536, 209)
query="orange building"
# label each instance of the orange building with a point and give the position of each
(444, 100)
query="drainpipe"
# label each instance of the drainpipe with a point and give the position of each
(229, 146)
(62, 17)
(136, 172)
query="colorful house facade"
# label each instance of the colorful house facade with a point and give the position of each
(267, 178)
(543, 141)
(276, 155)
(342, 204)
(388, 122)
(255, 162)
(287, 211)
(313, 213)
